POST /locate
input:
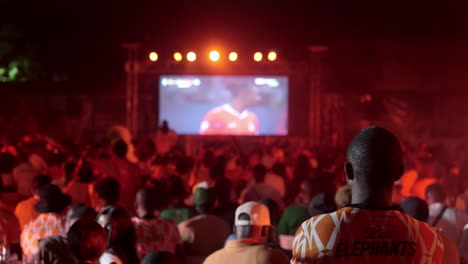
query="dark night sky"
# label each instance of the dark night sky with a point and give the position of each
(84, 37)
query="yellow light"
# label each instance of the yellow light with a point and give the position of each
(153, 56)
(258, 56)
(214, 55)
(178, 56)
(233, 56)
(272, 56)
(191, 56)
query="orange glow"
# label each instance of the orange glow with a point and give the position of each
(178, 56)
(191, 56)
(153, 56)
(272, 56)
(258, 56)
(214, 55)
(233, 56)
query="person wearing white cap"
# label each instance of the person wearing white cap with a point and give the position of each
(252, 225)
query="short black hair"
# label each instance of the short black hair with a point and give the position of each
(177, 188)
(87, 240)
(86, 174)
(80, 211)
(146, 198)
(415, 207)
(437, 192)
(120, 149)
(375, 156)
(40, 180)
(108, 189)
(259, 172)
(7, 162)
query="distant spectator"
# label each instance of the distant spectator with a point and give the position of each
(260, 190)
(276, 178)
(177, 210)
(448, 221)
(105, 192)
(195, 230)
(252, 227)
(165, 139)
(160, 257)
(321, 203)
(56, 249)
(87, 241)
(7, 164)
(24, 175)
(51, 207)
(78, 188)
(343, 196)
(24, 210)
(225, 208)
(121, 242)
(153, 233)
(415, 207)
(9, 228)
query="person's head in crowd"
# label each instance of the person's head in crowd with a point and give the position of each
(146, 203)
(374, 163)
(252, 223)
(177, 191)
(7, 162)
(273, 209)
(165, 127)
(120, 149)
(321, 203)
(160, 257)
(181, 166)
(146, 150)
(415, 207)
(223, 190)
(343, 196)
(78, 211)
(279, 169)
(69, 169)
(121, 235)
(86, 174)
(106, 192)
(435, 193)
(38, 182)
(204, 198)
(308, 189)
(217, 171)
(52, 200)
(259, 172)
(87, 241)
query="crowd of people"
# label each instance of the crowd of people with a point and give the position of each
(148, 201)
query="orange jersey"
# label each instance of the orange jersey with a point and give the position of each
(353, 235)
(225, 120)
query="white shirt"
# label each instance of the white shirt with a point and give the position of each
(451, 223)
(108, 258)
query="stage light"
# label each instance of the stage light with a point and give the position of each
(191, 56)
(153, 56)
(178, 56)
(233, 56)
(214, 55)
(272, 56)
(258, 56)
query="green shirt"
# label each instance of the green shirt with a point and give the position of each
(291, 219)
(178, 214)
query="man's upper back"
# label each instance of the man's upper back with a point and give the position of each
(238, 252)
(451, 222)
(366, 236)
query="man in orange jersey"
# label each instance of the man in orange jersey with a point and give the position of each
(233, 118)
(370, 230)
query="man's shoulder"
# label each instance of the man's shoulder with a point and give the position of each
(270, 255)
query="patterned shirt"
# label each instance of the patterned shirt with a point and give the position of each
(44, 225)
(156, 235)
(353, 235)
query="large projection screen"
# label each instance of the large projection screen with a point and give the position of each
(224, 105)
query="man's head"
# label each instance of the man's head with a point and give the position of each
(87, 240)
(252, 222)
(77, 212)
(435, 193)
(415, 207)
(259, 173)
(374, 160)
(204, 197)
(107, 192)
(160, 257)
(247, 94)
(120, 149)
(145, 202)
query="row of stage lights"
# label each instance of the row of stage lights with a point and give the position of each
(214, 56)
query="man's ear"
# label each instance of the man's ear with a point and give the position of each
(348, 168)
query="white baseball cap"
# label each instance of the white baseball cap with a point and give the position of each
(258, 213)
